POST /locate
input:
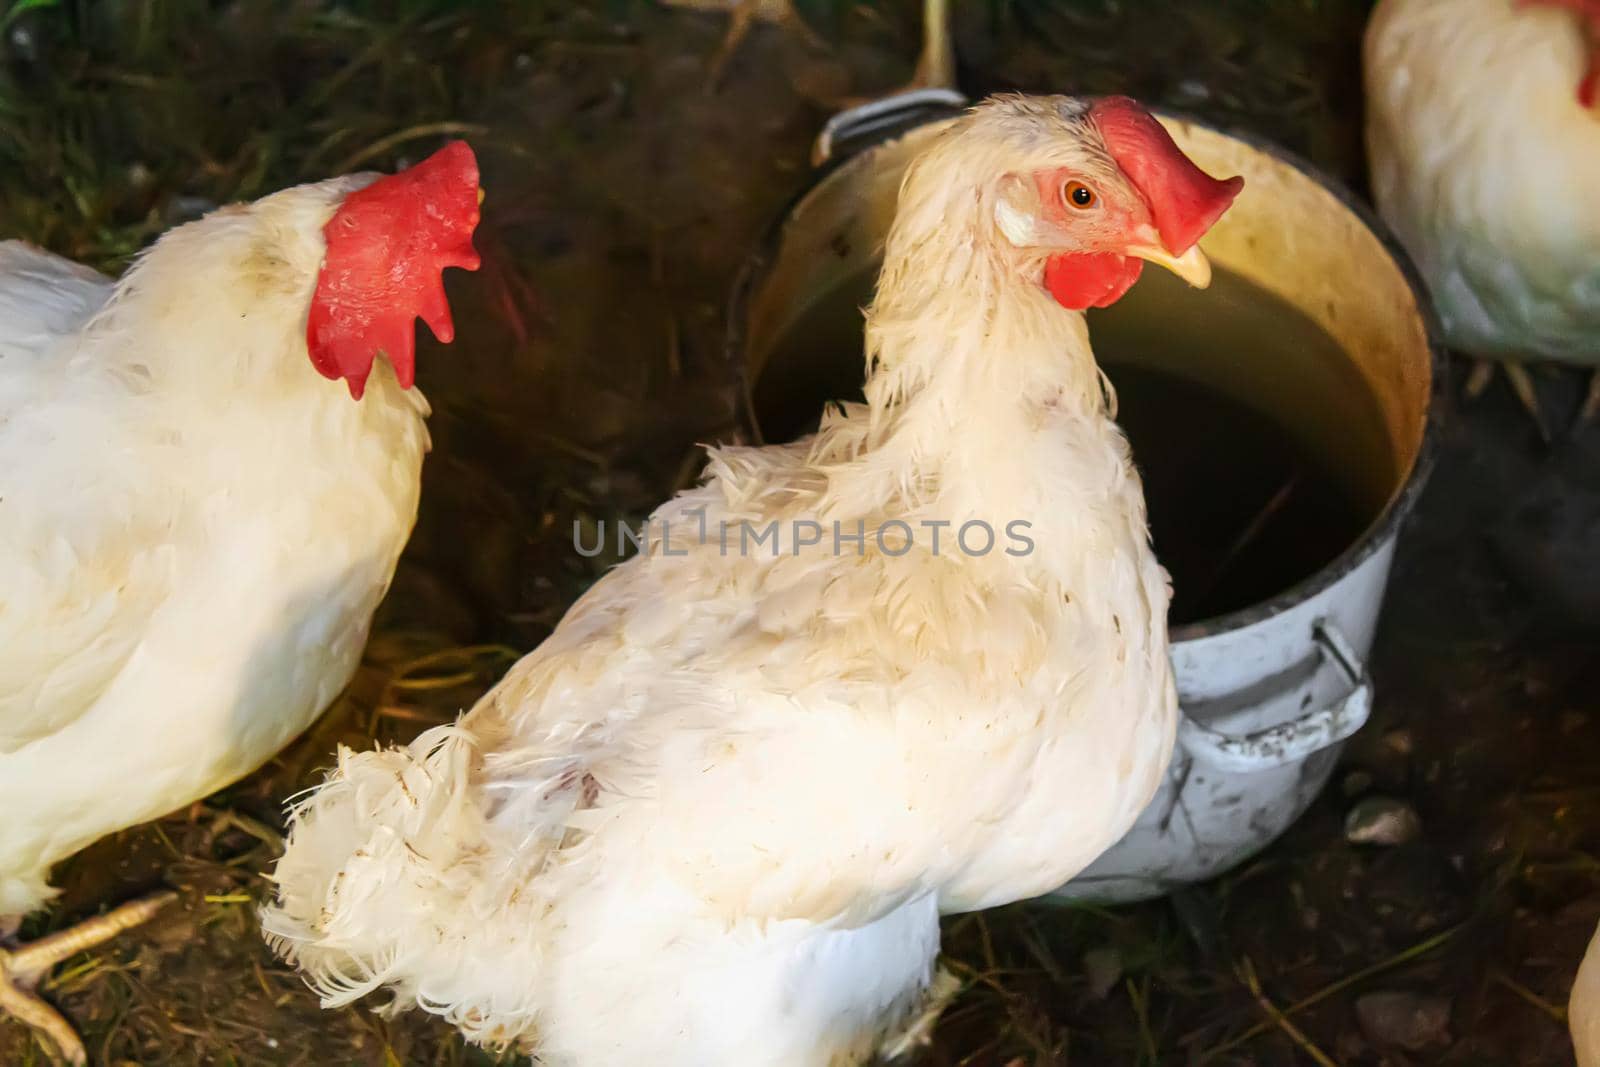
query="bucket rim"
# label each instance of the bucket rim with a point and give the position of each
(1385, 525)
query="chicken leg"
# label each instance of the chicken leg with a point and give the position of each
(742, 17)
(22, 968)
(1521, 384)
(936, 66)
(918, 1030)
(1591, 401)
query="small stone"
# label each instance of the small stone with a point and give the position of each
(23, 42)
(1404, 1020)
(1399, 742)
(1103, 967)
(1349, 1046)
(188, 208)
(1355, 783)
(1382, 821)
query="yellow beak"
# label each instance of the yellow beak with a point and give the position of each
(1193, 266)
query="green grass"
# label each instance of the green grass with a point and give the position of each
(119, 119)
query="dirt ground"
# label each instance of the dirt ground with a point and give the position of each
(623, 196)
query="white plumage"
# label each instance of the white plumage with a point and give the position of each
(195, 526)
(714, 818)
(1583, 1007)
(1486, 164)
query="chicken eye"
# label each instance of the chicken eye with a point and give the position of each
(1078, 195)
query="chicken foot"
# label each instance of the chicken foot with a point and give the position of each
(1521, 384)
(22, 968)
(741, 19)
(936, 65)
(1521, 381)
(918, 1031)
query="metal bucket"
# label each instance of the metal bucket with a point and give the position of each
(1269, 693)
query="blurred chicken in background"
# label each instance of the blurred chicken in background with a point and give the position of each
(1484, 141)
(1483, 130)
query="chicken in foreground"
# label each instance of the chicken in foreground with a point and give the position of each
(715, 817)
(196, 524)
(1483, 132)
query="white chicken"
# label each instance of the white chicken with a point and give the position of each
(1484, 143)
(715, 817)
(195, 524)
(1583, 1007)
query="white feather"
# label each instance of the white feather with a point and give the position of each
(1583, 1007)
(723, 834)
(195, 526)
(1486, 166)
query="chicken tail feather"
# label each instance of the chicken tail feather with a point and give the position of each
(387, 880)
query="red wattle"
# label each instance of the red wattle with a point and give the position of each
(1184, 200)
(1082, 281)
(387, 245)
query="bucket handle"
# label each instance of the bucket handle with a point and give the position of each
(932, 90)
(1299, 738)
(876, 119)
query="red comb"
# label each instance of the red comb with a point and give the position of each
(1184, 200)
(387, 245)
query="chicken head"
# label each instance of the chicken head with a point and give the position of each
(1115, 195)
(387, 246)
